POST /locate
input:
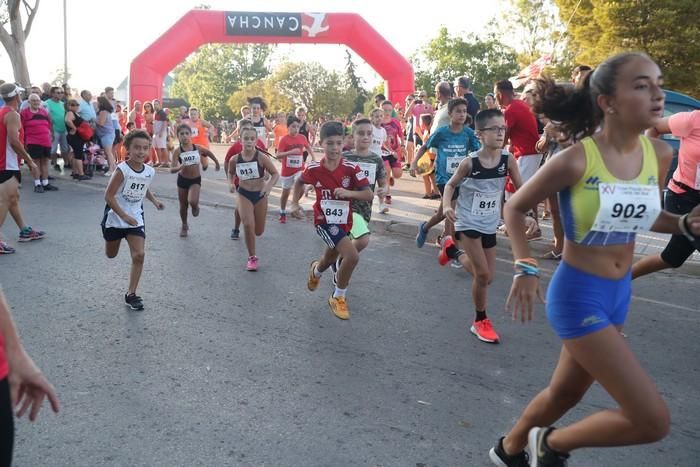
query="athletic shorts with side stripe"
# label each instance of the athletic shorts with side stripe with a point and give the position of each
(331, 234)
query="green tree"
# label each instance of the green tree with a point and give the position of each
(668, 31)
(356, 83)
(209, 76)
(290, 85)
(265, 88)
(534, 29)
(445, 57)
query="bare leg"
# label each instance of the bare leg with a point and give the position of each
(260, 213)
(9, 195)
(136, 246)
(247, 212)
(193, 199)
(351, 257)
(361, 243)
(182, 198)
(112, 248)
(284, 197)
(110, 158)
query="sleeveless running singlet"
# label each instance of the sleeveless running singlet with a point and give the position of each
(479, 202)
(262, 131)
(250, 170)
(9, 159)
(602, 210)
(130, 195)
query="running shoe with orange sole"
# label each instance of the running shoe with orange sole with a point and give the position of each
(445, 244)
(339, 307)
(312, 281)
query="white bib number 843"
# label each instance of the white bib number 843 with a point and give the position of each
(335, 211)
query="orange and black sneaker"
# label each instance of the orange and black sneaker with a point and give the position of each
(312, 282)
(339, 307)
(483, 330)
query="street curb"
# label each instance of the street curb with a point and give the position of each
(381, 226)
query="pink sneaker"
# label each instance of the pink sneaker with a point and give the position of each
(252, 264)
(483, 330)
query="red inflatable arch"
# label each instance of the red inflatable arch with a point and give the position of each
(200, 27)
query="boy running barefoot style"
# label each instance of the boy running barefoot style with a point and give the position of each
(123, 217)
(186, 162)
(453, 142)
(480, 180)
(373, 167)
(290, 152)
(336, 182)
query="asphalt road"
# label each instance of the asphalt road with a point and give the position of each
(228, 367)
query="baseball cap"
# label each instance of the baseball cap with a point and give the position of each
(10, 90)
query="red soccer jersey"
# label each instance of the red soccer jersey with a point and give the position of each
(237, 148)
(329, 207)
(393, 130)
(293, 163)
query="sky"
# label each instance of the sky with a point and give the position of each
(105, 35)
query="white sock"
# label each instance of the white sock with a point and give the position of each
(339, 292)
(37, 182)
(317, 274)
(45, 182)
(283, 211)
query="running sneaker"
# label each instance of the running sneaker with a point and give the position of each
(422, 235)
(133, 301)
(542, 455)
(283, 218)
(455, 264)
(6, 249)
(499, 457)
(28, 234)
(50, 187)
(387, 198)
(38, 189)
(383, 209)
(252, 264)
(445, 244)
(312, 282)
(339, 307)
(483, 330)
(235, 234)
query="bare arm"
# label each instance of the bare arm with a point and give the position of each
(175, 162)
(274, 175)
(152, 198)
(28, 386)
(514, 172)
(206, 152)
(661, 128)
(463, 171)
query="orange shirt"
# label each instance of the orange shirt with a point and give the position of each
(199, 134)
(280, 131)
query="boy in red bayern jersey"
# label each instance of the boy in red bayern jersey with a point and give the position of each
(336, 182)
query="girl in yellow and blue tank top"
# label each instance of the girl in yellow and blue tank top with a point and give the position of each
(609, 188)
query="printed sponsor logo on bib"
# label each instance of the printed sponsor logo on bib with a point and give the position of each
(190, 158)
(626, 207)
(294, 162)
(486, 204)
(135, 189)
(335, 211)
(247, 170)
(370, 171)
(453, 163)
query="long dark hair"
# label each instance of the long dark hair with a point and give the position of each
(104, 104)
(576, 108)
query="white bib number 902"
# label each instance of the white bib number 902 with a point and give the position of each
(335, 211)
(626, 207)
(247, 170)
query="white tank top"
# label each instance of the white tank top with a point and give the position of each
(130, 195)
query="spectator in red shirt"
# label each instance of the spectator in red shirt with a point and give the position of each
(290, 153)
(521, 136)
